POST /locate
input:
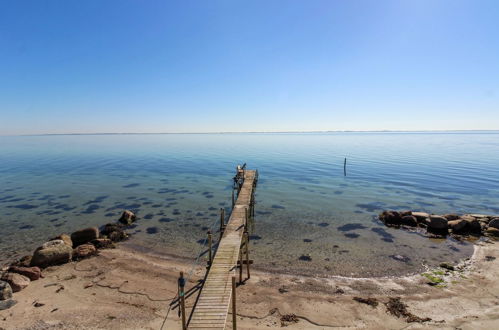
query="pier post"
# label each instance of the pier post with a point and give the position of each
(181, 294)
(234, 313)
(247, 255)
(245, 219)
(241, 266)
(222, 221)
(210, 248)
(232, 198)
(345, 167)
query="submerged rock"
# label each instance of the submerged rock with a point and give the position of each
(33, 273)
(114, 231)
(5, 290)
(84, 235)
(391, 217)
(52, 254)
(127, 218)
(16, 281)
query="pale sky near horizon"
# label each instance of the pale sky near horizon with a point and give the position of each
(209, 66)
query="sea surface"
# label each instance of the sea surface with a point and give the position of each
(310, 218)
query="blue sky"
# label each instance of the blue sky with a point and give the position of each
(206, 66)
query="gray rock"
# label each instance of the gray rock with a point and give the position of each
(5, 290)
(437, 222)
(6, 304)
(52, 255)
(84, 236)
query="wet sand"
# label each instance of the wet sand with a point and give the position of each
(125, 289)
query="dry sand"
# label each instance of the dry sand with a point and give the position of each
(124, 289)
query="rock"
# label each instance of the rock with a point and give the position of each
(479, 215)
(409, 220)
(5, 290)
(405, 213)
(65, 238)
(447, 266)
(420, 216)
(84, 236)
(127, 218)
(50, 255)
(458, 226)
(84, 251)
(16, 281)
(493, 231)
(6, 304)
(494, 223)
(451, 217)
(102, 243)
(473, 225)
(437, 222)
(390, 217)
(24, 261)
(114, 232)
(467, 217)
(33, 273)
(52, 243)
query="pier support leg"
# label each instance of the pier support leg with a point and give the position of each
(210, 249)
(247, 255)
(234, 311)
(181, 294)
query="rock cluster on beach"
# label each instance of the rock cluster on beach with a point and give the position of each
(466, 224)
(59, 250)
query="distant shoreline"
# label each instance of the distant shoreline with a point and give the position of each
(265, 132)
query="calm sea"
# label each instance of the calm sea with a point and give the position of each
(177, 184)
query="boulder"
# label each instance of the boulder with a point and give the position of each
(409, 220)
(103, 243)
(437, 222)
(65, 238)
(84, 251)
(52, 243)
(33, 273)
(458, 226)
(52, 254)
(84, 236)
(6, 304)
(451, 217)
(494, 223)
(127, 218)
(390, 217)
(5, 291)
(493, 231)
(16, 281)
(420, 216)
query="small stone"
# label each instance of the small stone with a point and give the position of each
(401, 258)
(420, 216)
(451, 217)
(493, 231)
(84, 236)
(458, 226)
(305, 258)
(473, 224)
(102, 243)
(84, 251)
(16, 281)
(5, 290)
(127, 218)
(24, 261)
(33, 273)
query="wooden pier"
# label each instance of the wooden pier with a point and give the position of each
(212, 306)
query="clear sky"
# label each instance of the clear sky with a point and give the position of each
(203, 66)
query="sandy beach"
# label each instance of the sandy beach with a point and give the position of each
(124, 289)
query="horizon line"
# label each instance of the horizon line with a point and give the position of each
(263, 132)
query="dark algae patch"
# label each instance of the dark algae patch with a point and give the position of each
(397, 308)
(373, 302)
(351, 226)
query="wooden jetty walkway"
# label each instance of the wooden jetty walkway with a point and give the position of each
(212, 306)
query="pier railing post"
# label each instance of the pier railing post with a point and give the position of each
(246, 219)
(233, 198)
(181, 294)
(222, 221)
(234, 312)
(210, 253)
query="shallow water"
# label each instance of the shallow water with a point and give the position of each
(305, 205)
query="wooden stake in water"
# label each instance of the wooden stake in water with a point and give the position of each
(345, 167)
(222, 220)
(247, 255)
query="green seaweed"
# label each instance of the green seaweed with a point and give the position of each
(432, 278)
